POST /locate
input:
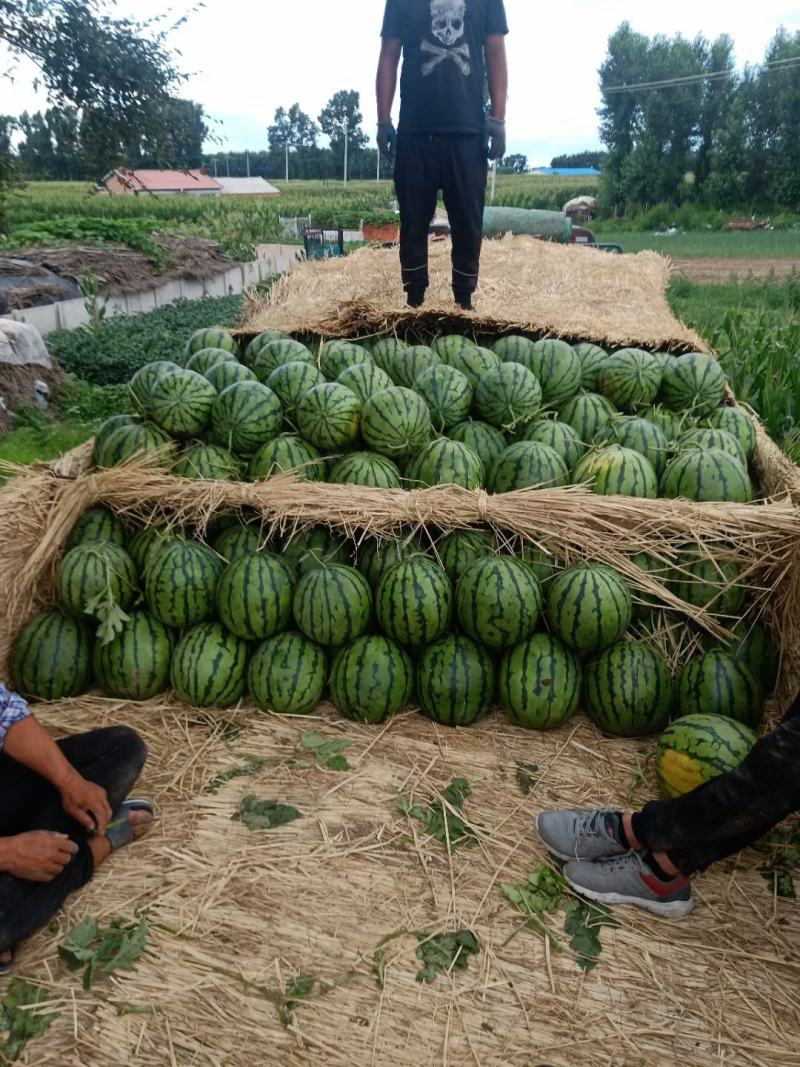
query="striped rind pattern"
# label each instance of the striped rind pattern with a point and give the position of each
(695, 383)
(448, 394)
(587, 414)
(333, 605)
(254, 597)
(558, 370)
(617, 471)
(210, 338)
(209, 463)
(499, 601)
(738, 423)
(709, 475)
(202, 362)
(513, 349)
(508, 396)
(640, 435)
(287, 452)
(52, 657)
(329, 416)
(709, 583)
(275, 353)
(631, 379)
(628, 690)
(376, 557)
(372, 679)
(409, 363)
(135, 664)
(460, 549)
(526, 464)
(364, 379)
(290, 382)
(337, 356)
(697, 748)
(593, 359)
(414, 602)
(396, 422)
(383, 352)
(209, 666)
(96, 524)
(180, 403)
(287, 674)
(245, 416)
(473, 362)
(717, 684)
(365, 468)
(229, 373)
(141, 384)
(539, 682)
(181, 583)
(486, 441)
(558, 436)
(445, 462)
(455, 680)
(238, 541)
(128, 441)
(312, 548)
(92, 569)
(589, 607)
(260, 342)
(704, 438)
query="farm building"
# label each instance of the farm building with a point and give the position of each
(124, 182)
(247, 187)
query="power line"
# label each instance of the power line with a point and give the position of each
(691, 79)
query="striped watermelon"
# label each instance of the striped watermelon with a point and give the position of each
(129, 442)
(641, 435)
(181, 583)
(593, 360)
(365, 468)
(287, 452)
(364, 380)
(558, 436)
(208, 667)
(753, 646)
(336, 356)
(287, 675)
(383, 352)
(631, 379)
(211, 338)
(736, 422)
(473, 362)
(202, 362)
(228, 373)
(96, 524)
(508, 396)
(448, 394)
(709, 583)
(717, 684)
(208, 462)
(540, 683)
(245, 416)
(316, 547)
(145, 545)
(708, 438)
(697, 748)
(275, 353)
(695, 384)
(180, 403)
(290, 382)
(329, 416)
(589, 607)
(543, 564)
(396, 422)
(142, 383)
(449, 345)
(513, 349)
(455, 681)
(96, 571)
(238, 541)
(645, 602)
(558, 370)
(260, 342)
(135, 664)
(52, 657)
(710, 475)
(107, 428)
(376, 557)
(487, 442)
(627, 690)
(498, 601)
(333, 605)
(671, 423)
(587, 414)
(445, 462)
(254, 596)
(460, 549)
(371, 680)
(409, 363)
(413, 603)
(617, 471)
(526, 464)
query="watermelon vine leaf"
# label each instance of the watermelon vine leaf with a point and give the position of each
(440, 821)
(784, 846)
(265, 814)
(109, 615)
(526, 773)
(114, 948)
(379, 966)
(18, 1019)
(253, 766)
(326, 753)
(583, 923)
(298, 989)
(444, 953)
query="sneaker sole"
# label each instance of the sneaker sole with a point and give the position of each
(673, 909)
(564, 856)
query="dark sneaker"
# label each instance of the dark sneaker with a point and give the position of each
(463, 300)
(629, 880)
(582, 835)
(415, 298)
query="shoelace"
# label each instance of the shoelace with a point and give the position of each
(594, 825)
(621, 863)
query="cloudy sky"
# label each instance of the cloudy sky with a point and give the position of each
(251, 58)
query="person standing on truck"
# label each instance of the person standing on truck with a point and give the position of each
(450, 48)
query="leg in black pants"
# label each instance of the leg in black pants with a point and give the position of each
(464, 191)
(111, 757)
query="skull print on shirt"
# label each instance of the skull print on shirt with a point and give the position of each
(447, 26)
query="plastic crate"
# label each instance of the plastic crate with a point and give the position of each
(323, 244)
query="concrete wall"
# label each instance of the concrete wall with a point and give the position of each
(70, 314)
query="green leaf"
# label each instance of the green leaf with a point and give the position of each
(444, 953)
(440, 822)
(76, 949)
(540, 893)
(265, 814)
(19, 1021)
(128, 948)
(327, 753)
(301, 986)
(583, 923)
(252, 767)
(379, 966)
(525, 776)
(115, 947)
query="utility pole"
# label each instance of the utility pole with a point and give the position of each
(378, 176)
(247, 160)
(287, 161)
(346, 139)
(228, 163)
(215, 166)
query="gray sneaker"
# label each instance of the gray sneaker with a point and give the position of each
(629, 880)
(581, 835)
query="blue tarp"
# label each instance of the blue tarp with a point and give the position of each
(569, 172)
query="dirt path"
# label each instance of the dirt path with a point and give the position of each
(720, 268)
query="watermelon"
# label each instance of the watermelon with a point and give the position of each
(695, 384)
(645, 602)
(180, 403)
(287, 452)
(499, 601)
(717, 684)
(721, 440)
(365, 468)
(132, 441)
(540, 683)
(211, 338)
(260, 342)
(487, 442)
(328, 416)
(290, 382)
(371, 680)
(627, 690)
(589, 607)
(98, 571)
(206, 358)
(413, 603)
(134, 665)
(631, 379)
(208, 667)
(736, 422)
(513, 349)
(641, 435)
(208, 462)
(145, 545)
(228, 373)
(753, 646)
(558, 370)
(52, 657)
(587, 414)
(527, 464)
(238, 541)
(473, 362)
(593, 360)
(396, 422)
(710, 583)
(316, 547)
(617, 471)
(336, 356)
(445, 462)
(97, 524)
(460, 549)
(697, 748)
(376, 557)
(449, 346)
(144, 380)
(245, 416)
(409, 363)
(364, 380)
(448, 394)
(287, 674)
(275, 353)
(508, 396)
(254, 596)
(383, 352)
(333, 605)
(671, 423)
(558, 436)
(542, 563)
(455, 681)
(181, 583)
(710, 475)
(107, 428)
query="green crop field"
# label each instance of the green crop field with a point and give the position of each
(758, 244)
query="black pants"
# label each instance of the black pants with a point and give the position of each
(113, 758)
(730, 812)
(456, 164)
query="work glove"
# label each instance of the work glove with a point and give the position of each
(496, 130)
(387, 139)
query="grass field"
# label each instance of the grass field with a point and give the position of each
(756, 244)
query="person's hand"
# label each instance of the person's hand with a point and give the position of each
(387, 139)
(496, 129)
(86, 802)
(38, 856)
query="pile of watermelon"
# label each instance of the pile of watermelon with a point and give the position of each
(508, 414)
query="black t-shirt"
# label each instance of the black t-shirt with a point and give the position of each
(442, 84)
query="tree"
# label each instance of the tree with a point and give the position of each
(343, 110)
(777, 108)
(579, 160)
(293, 129)
(516, 164)
(177, 142)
